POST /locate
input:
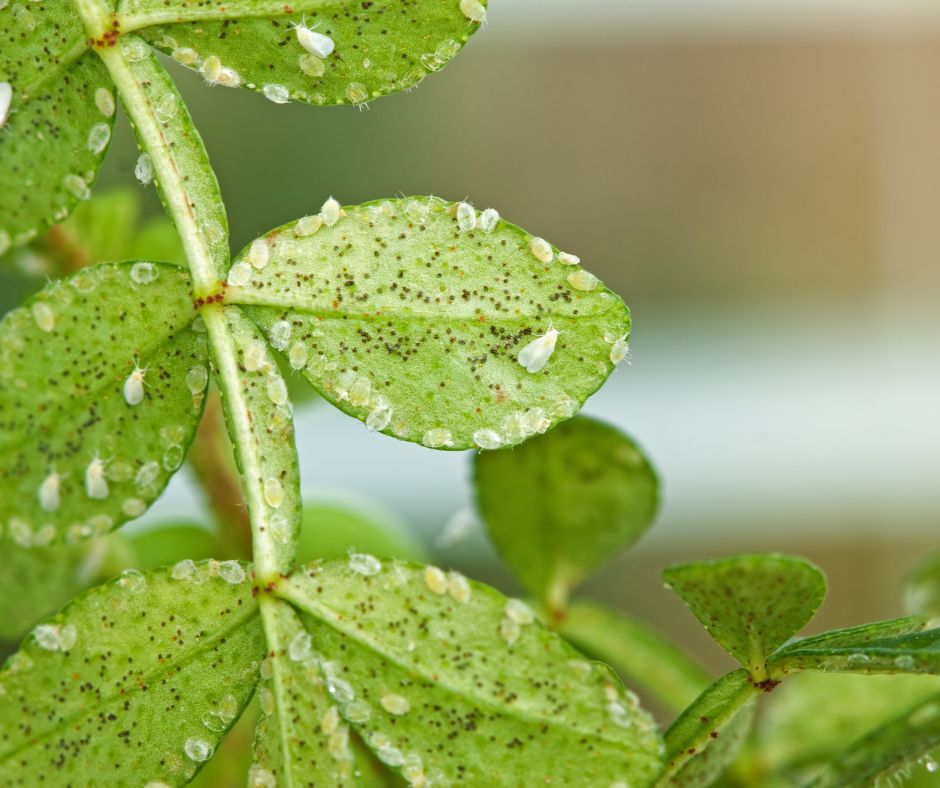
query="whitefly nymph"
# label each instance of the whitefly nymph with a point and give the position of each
(536, 354)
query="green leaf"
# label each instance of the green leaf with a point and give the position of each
(636, 651)
(750, 604)
(447, 678)
(154, 93)
(59, 121)
(381, 47)
(334, 528)
(904, 645)
(75, 458)
(713, 717)
(922, 589)
(35, 582)
(407, 322)
(260, 406)
(809, 719)
(301, 738)
(135, 681)
(885, 750)
(564, 503)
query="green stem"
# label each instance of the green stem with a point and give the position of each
(704, 721)
(172, 182)
(182, 204)
(264, 550)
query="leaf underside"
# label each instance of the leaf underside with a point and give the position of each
(559, 505)
(434, 686)
(144, 676)
(904, 645)
(406, 322)
(300, 739)
(750, 604)
(56, 134)
(381, 47)
(183, 144)
(64, 360)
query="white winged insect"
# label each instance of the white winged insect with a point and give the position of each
(536, 354)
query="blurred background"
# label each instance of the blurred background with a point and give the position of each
(759, 179)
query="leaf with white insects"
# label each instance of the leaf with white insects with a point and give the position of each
(597, 494)
(256, 394)
(79, 433)
(417, 326)
(182, 142)
(300, 736)
(367, 50)
(542, 723)
(53, 127)
(188, 649)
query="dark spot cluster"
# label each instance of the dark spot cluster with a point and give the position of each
(61, 394)
(144, 670)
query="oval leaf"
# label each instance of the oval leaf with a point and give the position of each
(76, 459)
(750, 604)
(415, 657)
(136, 681)
(413, 325)
(57, 127)
(564, 503)
(355, 52)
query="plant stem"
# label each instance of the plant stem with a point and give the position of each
(173, 183)
(703, 721)
(182, 205)
(239, 424)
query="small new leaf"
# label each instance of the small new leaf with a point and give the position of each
(565, 502)
(750, 604)
(414, 657)
(317, 51)
(904, 645)
(134, 682)
(57, 111)
(99, 400)
(410, 316)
